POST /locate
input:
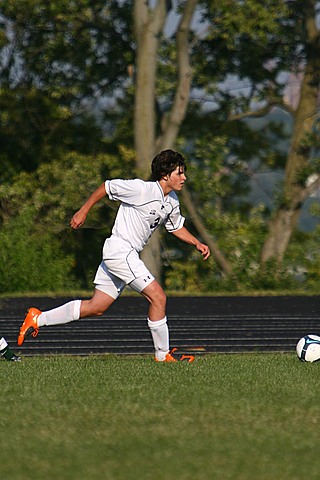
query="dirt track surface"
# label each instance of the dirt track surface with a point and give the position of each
(197, 324)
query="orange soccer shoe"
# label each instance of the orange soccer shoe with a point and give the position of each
(170, 358)
(30, 325)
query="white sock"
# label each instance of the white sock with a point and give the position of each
(160, 336)
(66, 313)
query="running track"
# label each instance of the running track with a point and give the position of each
(197, 324)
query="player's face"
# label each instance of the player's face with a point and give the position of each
(176, 179)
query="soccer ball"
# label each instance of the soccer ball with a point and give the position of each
(308, 348)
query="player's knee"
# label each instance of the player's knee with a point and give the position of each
(91, 309)
(155, 295)
(160, 299)
(98, 312)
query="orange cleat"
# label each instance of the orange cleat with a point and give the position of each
(187, 358)
(30, 325)
(170, 358)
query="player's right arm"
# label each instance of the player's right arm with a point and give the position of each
(80, 216)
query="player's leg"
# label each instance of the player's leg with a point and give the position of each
(157, 319)
(97, 304)
(157, 300)
(65, 313)
(107, 290)
(147, 286)
(6, 352)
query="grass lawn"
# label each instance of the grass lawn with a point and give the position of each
(248, 417)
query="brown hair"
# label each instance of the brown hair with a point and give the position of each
(165, 163)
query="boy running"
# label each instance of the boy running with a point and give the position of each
(144, 206)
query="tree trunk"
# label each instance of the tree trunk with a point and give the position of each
(148, 27)
(171, 123)
(280, 230)
(295, 191)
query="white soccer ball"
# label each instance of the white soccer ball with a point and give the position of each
(308, 348)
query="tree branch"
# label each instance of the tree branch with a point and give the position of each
(181, 99)
(261, 112)
(216, 253)
(308, 191)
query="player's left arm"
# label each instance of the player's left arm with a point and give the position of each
(187, 237)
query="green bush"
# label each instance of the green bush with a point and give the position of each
(38, 249)
(31, 259)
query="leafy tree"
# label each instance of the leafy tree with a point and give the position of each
(64, 59)
(56, 58)
(303, 157)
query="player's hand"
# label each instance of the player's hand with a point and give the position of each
(78, 219)
(204, 250)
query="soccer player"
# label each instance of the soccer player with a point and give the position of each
(6, 352)
(144, 206)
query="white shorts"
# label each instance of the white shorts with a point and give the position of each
(121, 266)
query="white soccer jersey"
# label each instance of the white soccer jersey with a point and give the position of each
(143, 207)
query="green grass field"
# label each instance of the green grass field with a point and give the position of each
(247, 417)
